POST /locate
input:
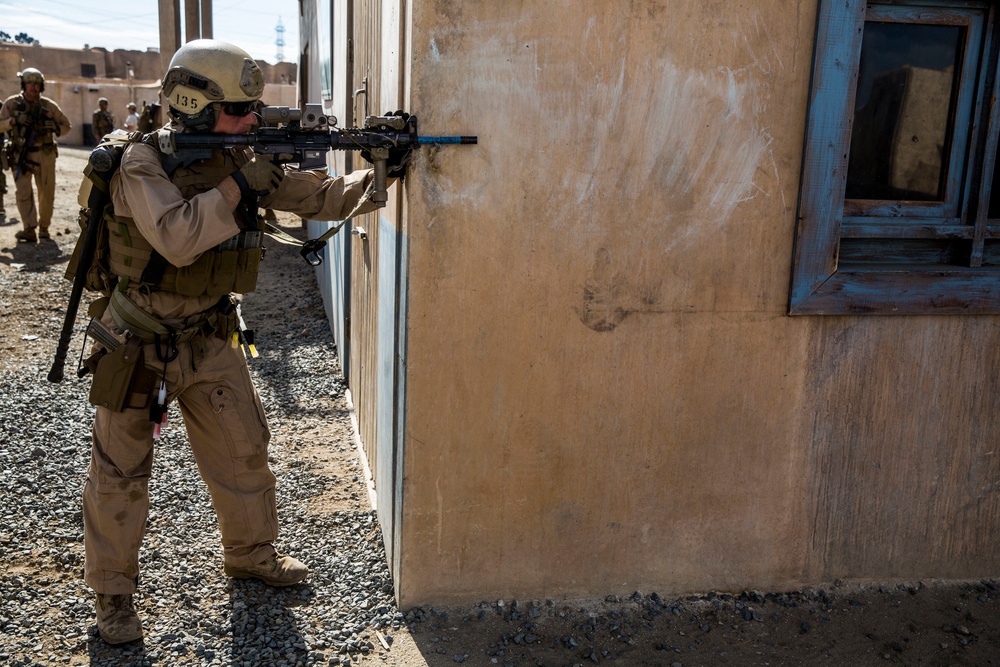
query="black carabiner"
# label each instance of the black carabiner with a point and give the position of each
(312, 251)
(171, 347)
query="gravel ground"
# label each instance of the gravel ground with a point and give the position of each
(345, 613)
(192, 614)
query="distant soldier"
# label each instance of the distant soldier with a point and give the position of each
(149, 118)
(104, 120)
(132, 119)
(34, 122)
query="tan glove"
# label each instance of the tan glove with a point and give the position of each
(260, 176)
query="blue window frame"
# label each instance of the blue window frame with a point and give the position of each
(899, 210)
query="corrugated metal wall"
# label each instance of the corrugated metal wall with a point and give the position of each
(365, 261)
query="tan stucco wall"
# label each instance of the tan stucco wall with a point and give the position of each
(603, 391)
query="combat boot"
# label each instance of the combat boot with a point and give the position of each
(43, 233)
(277, 570)
(27, 235)
(116, 619)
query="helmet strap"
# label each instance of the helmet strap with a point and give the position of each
(203, 121)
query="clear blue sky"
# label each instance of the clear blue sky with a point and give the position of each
(250, 24)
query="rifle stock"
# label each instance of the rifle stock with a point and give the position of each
(96, 202)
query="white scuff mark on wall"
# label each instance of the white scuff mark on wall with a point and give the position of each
(762, 28)
(607, 127)
(688, 132)
(741, 178)
(691, 138)
(733, 102)
(777, 180)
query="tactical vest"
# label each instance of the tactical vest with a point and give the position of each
(43, 139)
(229, 267)
(104, 123)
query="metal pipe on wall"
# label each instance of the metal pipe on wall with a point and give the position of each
(206, 19)
(170, 31)
(192, 20)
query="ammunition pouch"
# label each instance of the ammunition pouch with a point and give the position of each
(100, 278)
(121, 379)
(217, 272)
(230, 267)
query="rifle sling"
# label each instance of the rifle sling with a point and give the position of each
(283, 237)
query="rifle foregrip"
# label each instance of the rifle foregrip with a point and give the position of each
(379, 194)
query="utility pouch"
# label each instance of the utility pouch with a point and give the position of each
(100, 278)
(113, 377)
(191, 279)
(246, 271)
(223, 272)
(145, 384)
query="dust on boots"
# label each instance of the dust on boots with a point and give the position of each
(117, 620)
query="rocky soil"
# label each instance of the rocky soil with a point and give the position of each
(345, 613)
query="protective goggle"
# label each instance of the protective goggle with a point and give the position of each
(181, 76)
(240, 109)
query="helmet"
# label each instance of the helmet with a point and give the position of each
(204, 74)
(31, 75)
(102, 100)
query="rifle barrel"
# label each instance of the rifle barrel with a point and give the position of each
(333, 140)
(448, 140)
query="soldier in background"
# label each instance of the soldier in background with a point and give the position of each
(104, 120)
(149, 118)
(33, 122)
(132, 119)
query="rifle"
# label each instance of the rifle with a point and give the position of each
(103, 161)
(304, 136)
(29, 139)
